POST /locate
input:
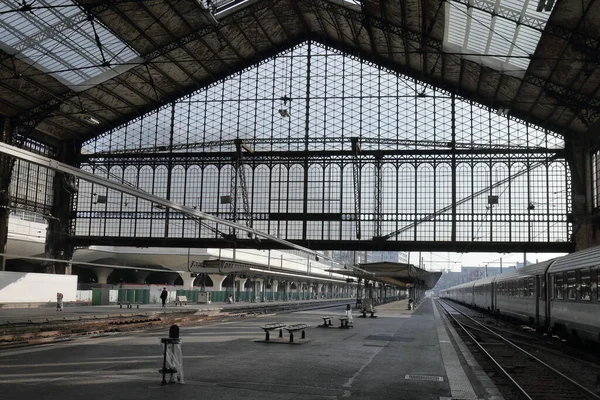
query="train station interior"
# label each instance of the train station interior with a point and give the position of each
(242, 168)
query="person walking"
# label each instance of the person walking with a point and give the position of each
(163, 296)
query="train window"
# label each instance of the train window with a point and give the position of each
(571, 286)
(542, 288)
(558, 286)
(531, 288)
(596, 282)
(585, 291)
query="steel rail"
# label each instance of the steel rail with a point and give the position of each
(510, 378)
(594, 395)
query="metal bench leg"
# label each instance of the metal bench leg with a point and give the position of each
(267, 338)
(281, 333)
(164, 381)
(291, 337)
(303, 335)
(329, 322)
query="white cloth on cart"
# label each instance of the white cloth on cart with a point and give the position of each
(175, 360)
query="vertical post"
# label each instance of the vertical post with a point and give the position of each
(5, 176)
(58, 235)
(453, 167)
(306, 141)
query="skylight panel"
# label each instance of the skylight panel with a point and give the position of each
(59, 39)
(506, 31)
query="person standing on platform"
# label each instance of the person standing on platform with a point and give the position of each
(163, 296)
(349, 315)
(59, 301)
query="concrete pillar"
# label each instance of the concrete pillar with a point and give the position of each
(217, 281)
(319, 290)
(188, 280)
(260, 288)
(140, 276)
(274, 286)
(170, 279)
(102, 274)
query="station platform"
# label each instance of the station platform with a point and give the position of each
(400, 354)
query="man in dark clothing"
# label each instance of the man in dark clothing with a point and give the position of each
(163, 296)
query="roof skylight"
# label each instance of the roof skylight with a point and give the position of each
(57, 37)
(502, 34)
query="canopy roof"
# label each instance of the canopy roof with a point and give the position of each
(398, 274)
(74, 70)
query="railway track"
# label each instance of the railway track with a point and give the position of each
(42, 330)
(533, 374)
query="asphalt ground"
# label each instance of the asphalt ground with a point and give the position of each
(227, 360)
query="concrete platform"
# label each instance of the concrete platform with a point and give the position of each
(400, 355)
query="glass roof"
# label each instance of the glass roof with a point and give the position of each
(57, 37)
(502, 34)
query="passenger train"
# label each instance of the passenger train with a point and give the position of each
(561, 295)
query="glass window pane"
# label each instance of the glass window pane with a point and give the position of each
(586, 285)
(558, 286)
(571, 286)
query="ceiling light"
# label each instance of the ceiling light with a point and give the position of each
(92, 120)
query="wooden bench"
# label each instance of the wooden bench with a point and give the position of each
(344, 322)
(182, 300)
(294, 328)
(270, 327)
(326, 321)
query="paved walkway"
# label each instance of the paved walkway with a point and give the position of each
(399, 355)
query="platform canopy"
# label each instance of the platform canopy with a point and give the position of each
(398, 274)
(74, 69)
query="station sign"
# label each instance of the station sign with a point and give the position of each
(217, 267)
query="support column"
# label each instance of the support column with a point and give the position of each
(102, 274)
(5, 176)
(241, 282)
(188, 280)
(261, 290)
(140, 276)
(59, 231)
(586, 226)
(170, 279)
(275, 288)
(217, 281)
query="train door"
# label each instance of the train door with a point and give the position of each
(538, 295)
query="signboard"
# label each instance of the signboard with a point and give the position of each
(217, 267)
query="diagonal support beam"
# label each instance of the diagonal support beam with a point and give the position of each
(135, 192)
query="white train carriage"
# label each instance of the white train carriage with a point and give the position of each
(462, 293)
(483, 293)
(574, 295)
(520, 293)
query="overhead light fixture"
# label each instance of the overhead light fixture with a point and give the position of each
(92, 120)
